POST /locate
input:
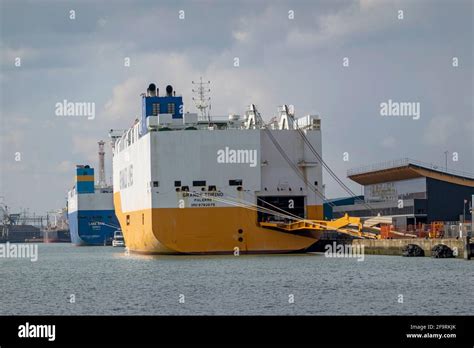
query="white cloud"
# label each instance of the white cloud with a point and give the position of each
(121, 106)
(65, 167)
(86, 147)
(9, 54)
(240, 35)
(389, 142)
(232, 89)
(364, 17)
(440, 130)
(102, 22)
(13, 139)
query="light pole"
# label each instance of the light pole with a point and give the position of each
(464, 211)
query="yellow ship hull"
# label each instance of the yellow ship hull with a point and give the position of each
(216, 230)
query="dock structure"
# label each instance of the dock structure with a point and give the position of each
(409, 202)
(461, 247)
(410, 192)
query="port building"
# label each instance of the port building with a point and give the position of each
(409, 192)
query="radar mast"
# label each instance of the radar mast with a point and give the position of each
(202, 99)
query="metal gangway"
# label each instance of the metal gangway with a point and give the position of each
(342, 225)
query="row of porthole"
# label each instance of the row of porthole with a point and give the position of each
(289, 189)
(240, 238)
(210, 188)
(281, 189)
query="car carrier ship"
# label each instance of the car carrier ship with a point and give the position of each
(90, 208)
(191, 183)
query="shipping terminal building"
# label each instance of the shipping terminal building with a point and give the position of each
(409, 192)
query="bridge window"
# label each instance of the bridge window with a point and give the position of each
(235, 182)
(155, 109)
(199, 183)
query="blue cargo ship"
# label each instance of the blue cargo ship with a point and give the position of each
(91, 213)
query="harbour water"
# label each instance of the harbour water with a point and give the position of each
(105, 280)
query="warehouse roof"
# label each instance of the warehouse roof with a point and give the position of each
(404, 169)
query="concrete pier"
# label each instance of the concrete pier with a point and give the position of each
(462, 247)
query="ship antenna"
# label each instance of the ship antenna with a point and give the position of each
(102, 182)
(202, 100)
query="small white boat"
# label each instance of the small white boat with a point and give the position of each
(118, 240)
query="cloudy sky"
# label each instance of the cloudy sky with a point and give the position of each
(282, 60)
